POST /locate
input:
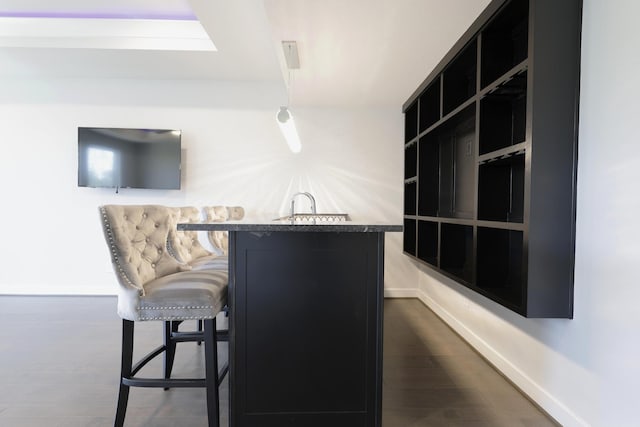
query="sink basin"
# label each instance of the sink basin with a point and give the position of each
(320, 217)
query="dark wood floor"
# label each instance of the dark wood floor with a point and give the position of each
(59, 362)
(434, 378)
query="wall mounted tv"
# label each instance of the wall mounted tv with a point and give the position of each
(129, 158)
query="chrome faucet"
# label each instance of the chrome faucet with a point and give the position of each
(293, 202)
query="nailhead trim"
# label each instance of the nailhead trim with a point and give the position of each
(114, 252)
(178, 318)
(174, 308)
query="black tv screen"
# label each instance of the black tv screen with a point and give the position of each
(129, 158)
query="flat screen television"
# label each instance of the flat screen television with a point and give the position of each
(129, 158)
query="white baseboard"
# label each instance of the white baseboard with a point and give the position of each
(537, 394)
(400, 293)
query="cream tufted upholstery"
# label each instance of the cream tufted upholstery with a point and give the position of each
(220, 239)
(153, 285)
(184, 245)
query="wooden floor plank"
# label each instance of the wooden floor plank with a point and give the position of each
(59, 363)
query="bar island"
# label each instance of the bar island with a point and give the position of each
(305, 322)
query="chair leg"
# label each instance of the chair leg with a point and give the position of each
(199, 329)
(211, 371)
(125, 371)
(170, 347)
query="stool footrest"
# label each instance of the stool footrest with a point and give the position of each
(187, 336)
(171, 382)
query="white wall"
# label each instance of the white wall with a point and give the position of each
(583, 371)
(233, 154)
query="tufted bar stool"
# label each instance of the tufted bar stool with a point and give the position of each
(187, 249)
(185, 246)
(153, 286)
(220, 239)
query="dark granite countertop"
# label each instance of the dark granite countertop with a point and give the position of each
(286, 225)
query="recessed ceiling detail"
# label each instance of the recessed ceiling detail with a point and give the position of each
(103, 33)
(100, 15)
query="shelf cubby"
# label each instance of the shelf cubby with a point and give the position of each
(503, 115)
(501, 189)
(500, 265)
(411, 122)
(459, 78)
(456, 250)
(457, 156)
(504, 41)
(410, 197)
(430, 106)
(411, 161)
(428, 242)
(409, 236)
(428, 175)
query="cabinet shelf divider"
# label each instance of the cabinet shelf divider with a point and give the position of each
(503, 153)
(505, 78)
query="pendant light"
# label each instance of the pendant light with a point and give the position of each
(284, 116)
(288, 129)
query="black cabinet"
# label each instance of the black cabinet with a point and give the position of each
(491, 153)
(306, 336)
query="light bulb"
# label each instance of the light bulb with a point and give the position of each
(288, 129)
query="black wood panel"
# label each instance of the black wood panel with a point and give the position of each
(307, 329)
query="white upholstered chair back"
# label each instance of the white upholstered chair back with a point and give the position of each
(184, 245)
(220, 239)
(137, 236)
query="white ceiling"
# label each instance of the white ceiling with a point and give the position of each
(352, 52)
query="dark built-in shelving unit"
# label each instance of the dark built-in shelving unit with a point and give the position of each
(490, 157)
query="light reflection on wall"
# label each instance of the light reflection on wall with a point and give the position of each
(349, 165)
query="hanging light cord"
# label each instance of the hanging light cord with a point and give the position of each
(289, 80)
